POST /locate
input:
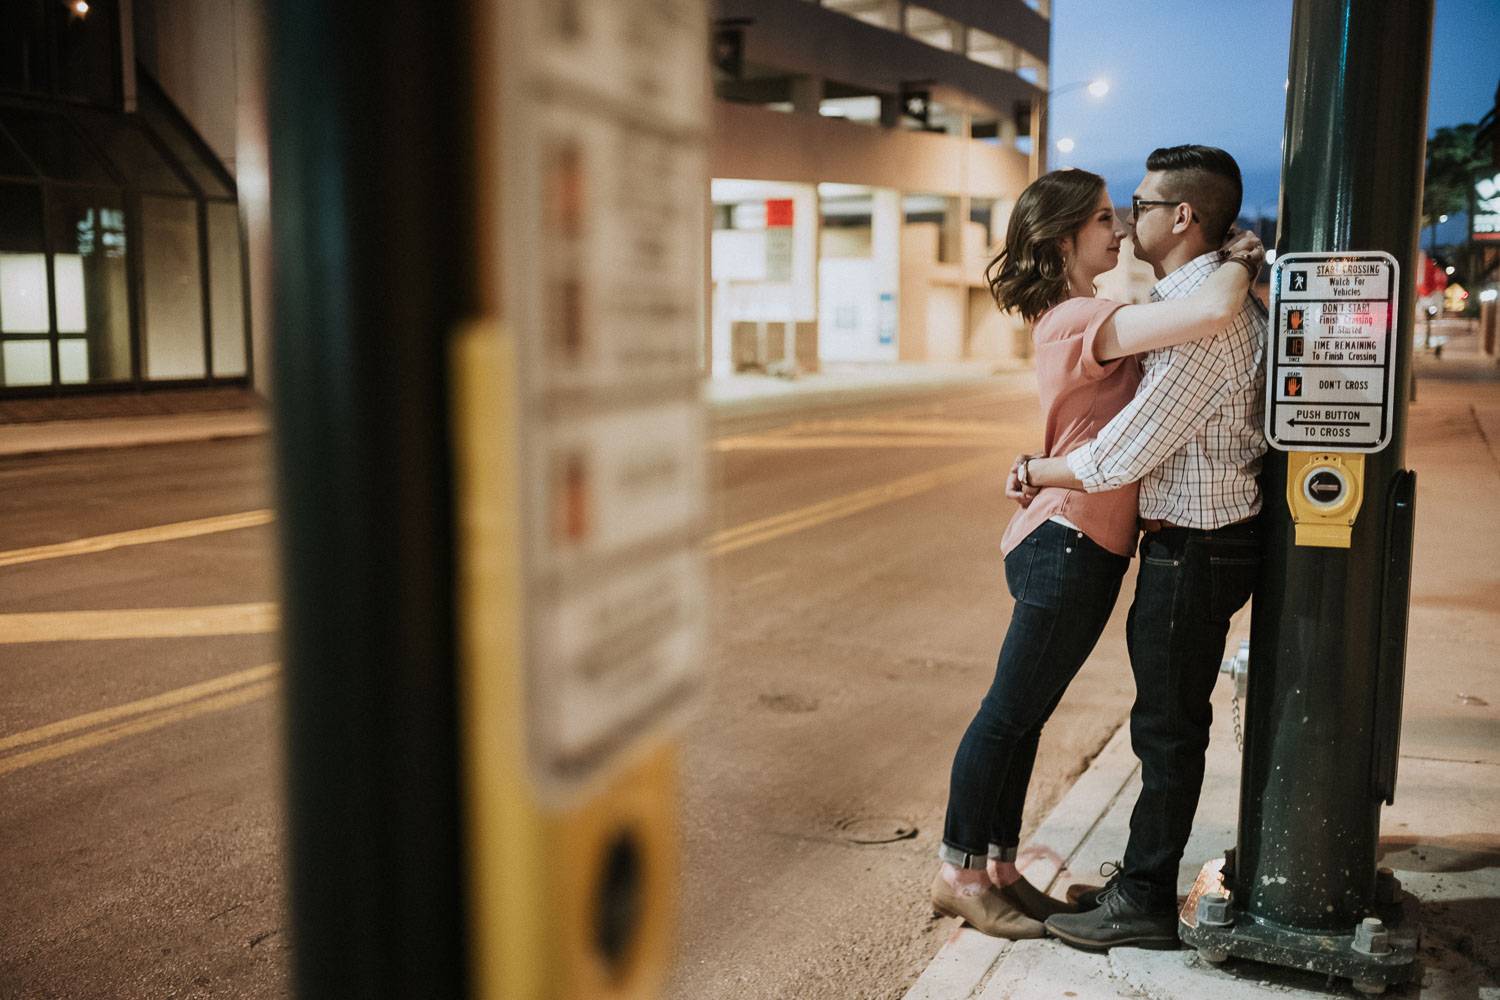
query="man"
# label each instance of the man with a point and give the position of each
(1192, 436)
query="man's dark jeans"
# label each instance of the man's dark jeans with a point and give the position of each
(1065, 586)
(1190, 583)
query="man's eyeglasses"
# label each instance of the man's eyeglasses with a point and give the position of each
(1136, 204)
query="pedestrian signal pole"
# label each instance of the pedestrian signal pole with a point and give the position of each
(373, 270)
(1328, 630)
(489, 225)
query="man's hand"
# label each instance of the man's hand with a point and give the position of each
(1013, 488)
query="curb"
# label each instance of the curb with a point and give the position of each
(967, 957)
(46, 437)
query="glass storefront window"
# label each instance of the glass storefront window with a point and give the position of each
(23, 288)
(27, 362)
(173, 289)
(121, 257)
(12, 163)
(158, 114)
(90, 285)
(23, 293)
(226, 288)
(125, 143)
(21, 218)
(52, 143)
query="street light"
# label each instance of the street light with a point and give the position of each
(1098, 87)
(1065, 145)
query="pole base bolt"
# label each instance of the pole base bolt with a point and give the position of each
(1213, 911)
(1371, 937)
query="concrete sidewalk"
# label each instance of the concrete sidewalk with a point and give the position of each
(1442, 835)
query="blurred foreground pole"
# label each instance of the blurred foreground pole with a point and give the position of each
(373, 270)
(489, 220)
(1328, 632)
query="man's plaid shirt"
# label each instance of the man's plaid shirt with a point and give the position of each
(1193, 434)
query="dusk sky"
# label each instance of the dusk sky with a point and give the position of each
(1189, 71)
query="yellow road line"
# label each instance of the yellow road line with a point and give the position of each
(765, 529)
(139, 536)
(146, 723)
(166, 699)
(140, 623)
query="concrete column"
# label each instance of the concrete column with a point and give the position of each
(890, 110)
(807, 94)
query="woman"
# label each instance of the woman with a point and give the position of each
(1066, 551)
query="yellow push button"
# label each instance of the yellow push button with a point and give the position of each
(1324, 492)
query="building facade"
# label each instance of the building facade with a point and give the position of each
(124, 248)
(866, 157)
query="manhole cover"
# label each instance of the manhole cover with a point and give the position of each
(875, 829)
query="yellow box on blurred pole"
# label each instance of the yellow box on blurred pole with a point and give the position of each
(580, 489)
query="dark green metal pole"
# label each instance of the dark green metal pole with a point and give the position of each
(373, 261)
(1317, 766)
(1328, 627)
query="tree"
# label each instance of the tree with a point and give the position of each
(1488, 134)
(1453, 158)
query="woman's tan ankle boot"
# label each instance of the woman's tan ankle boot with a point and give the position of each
(985, 911)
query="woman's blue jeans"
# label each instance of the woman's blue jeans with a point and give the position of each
(1065, 587)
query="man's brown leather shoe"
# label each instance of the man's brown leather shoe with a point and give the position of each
(1084, 896)
(987, 911)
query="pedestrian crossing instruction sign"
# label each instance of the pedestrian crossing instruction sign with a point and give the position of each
(1332, 374)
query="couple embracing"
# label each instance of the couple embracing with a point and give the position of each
(1153, 442)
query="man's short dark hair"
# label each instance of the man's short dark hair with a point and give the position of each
(1206, 178)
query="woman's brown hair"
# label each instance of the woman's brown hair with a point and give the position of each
(1030, 274)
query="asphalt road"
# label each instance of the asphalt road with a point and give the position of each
(847, 659)
(853, 632)
(140, 848)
